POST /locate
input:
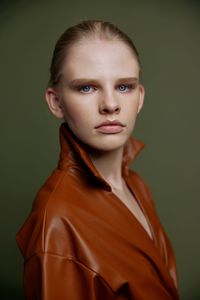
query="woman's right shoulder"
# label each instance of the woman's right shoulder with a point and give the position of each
(49, 215)
(49, 188)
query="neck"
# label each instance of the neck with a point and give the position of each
(109, 165)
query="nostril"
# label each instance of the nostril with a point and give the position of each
(109, 108)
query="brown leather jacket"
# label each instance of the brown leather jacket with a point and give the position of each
(80, 242)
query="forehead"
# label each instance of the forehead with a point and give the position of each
(97, 57)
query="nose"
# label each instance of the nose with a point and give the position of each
(109, 104)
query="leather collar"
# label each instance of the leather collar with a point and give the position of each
(73, 151)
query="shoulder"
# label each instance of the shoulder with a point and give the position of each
(48, 220)
(53, 187)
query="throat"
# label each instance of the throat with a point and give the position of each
(109, 165)
(127, 198)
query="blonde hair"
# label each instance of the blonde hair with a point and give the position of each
(75, 34)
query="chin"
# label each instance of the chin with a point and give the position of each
(110, 144)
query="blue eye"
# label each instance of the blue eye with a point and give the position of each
(124, 87)
(84, 88)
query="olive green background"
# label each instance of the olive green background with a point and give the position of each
(167, 35)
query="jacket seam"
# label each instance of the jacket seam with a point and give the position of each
(73, 259)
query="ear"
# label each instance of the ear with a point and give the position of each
(141, 97)
(53, 101)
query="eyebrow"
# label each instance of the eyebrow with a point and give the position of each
(91, 80)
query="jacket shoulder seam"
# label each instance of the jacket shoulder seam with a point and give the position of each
(71, 259)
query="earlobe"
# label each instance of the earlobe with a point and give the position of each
(53, 101)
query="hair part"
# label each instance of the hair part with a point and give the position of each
(86, 29)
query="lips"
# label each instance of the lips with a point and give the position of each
(110, 123)
(110, 127)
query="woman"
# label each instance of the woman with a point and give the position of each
(93, 232)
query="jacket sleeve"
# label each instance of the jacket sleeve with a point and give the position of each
(51, 277)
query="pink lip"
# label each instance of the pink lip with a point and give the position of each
(110, 123)
(110, 128)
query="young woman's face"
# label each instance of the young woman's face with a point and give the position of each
(101, 83)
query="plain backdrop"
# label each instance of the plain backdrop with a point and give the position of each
(167, 35)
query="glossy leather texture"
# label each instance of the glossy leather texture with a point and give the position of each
(80, 242)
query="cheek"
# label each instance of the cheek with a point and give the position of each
(134, 103)
(77, 113)
(132, 107)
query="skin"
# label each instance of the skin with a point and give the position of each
(87, 106)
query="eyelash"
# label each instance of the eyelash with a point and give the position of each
(129, 86)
